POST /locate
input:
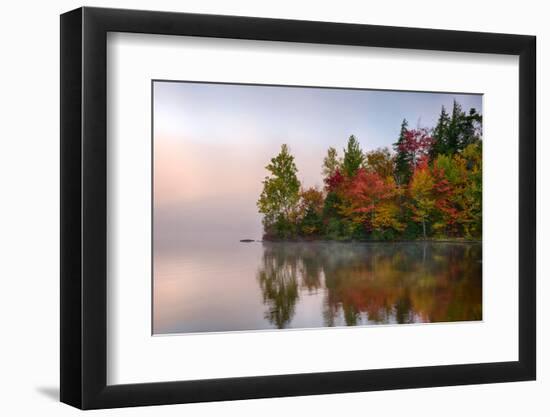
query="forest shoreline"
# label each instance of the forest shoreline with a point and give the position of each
(320, 240)
(429, 189)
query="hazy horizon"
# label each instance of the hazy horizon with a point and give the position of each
(213, 141)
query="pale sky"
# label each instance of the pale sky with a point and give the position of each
(213, 141)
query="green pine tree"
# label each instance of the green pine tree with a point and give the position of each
(454, 129)
(353, 157)
(470, 129)
(331, 162)
(402, 159)
(463, 129)
(440, 135)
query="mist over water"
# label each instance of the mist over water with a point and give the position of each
(259, 286)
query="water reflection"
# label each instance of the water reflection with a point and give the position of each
(372, 283)
(279, 283)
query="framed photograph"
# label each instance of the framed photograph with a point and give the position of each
(257, 208)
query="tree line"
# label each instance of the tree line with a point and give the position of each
(428, 186)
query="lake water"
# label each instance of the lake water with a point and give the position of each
(258, 286)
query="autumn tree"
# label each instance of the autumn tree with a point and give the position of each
(471, 214)
(380, 161)
(421, 193)
(449, 174)
(353, 157)
(310, 210)
(417, 145)
(363, 195)
(332, 219)
(446, 216)
(463, 174)
(387, 215)
(470, 197)
(280, 194)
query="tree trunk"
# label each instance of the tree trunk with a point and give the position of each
(424, 227)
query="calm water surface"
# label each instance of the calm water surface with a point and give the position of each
(255, 286)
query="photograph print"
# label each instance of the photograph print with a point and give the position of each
(297, 207)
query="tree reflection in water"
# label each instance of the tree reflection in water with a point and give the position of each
(373, 283)
(279, 283)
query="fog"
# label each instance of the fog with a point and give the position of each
(213, 141)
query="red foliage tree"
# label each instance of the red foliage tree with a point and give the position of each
(443, 192)
(364, 193)
(334, 181)
(417, 144)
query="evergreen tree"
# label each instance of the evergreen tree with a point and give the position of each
(463, 129)
(470, 129)
(402, 159)
(440, 135)
(353, 157)
(454, 129)
(331, 163)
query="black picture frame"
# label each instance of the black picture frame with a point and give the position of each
(84, 207)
